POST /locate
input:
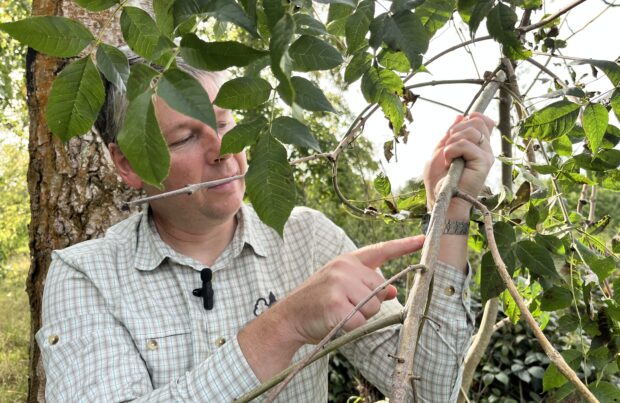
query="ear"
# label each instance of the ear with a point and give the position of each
(123, 167)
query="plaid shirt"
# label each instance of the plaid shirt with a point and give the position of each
(120, 321)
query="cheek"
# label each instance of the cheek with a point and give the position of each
(242, 161)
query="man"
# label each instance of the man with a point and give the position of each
(121, 323)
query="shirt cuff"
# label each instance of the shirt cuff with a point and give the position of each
(225, 374)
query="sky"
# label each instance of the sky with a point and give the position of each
(430, 121)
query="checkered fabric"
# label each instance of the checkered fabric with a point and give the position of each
(120, 322)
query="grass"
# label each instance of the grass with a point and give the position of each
(14, 331)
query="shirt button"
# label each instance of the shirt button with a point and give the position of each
(151, 344)
(220, 341)
(449, 291)
(53, 339)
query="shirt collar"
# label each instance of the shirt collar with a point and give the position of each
(151, 250)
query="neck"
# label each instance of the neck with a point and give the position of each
(204, 245)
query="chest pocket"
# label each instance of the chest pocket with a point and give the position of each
(166, 349)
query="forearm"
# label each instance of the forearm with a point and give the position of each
(267, 356)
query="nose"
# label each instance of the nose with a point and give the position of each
(213, 147)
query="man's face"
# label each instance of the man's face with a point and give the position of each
(195, 158)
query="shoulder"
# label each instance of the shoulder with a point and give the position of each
(117, 241)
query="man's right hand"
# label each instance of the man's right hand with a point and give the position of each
(320, 303)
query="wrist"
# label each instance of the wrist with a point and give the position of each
(459, 209)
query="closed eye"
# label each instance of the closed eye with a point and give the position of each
(186, 139)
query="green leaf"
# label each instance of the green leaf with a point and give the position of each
(305, 24)
(556, 298)
(611, 69)
(113, 65)
(140, 78)
(434, 14)
(270, 183)
(603, 267)
(378, 26)
(553, 378)
(552, 243)
(142, 34)
(479, 13)
(96, 5)
(615, 102)
(216, 56)
(53, 35)
(309, 96)
(142, 143)
(281, 64)
(465, 9)
(359, 64)
(310, 53)
(563, 146)
(612, 180)
(230, 11)
(500, 24)
(394, 60)
(242, 135)
(163, 16)
(595, 120)
(381, 86)
(536, 258)
(394, 110)
(358, 25)
(551, 122)
(348, 3)
(405, 32)
(291, 131)
(383, 185)
(378, 82)
(243, 93)
(606, 392)
(491, 284)
(510, 307)
(75, 99)
(185, 94)
(274, 11)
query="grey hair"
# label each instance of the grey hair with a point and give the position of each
(112, 115)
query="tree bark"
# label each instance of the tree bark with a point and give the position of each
(75, 193)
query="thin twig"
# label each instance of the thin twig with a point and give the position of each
(443, 82)
(549, 19)
(549, 72)
(187, 190)
(551, 352)
(487, 79)
(307, 359)
(347, 338)
(592, 211)
(500, 324)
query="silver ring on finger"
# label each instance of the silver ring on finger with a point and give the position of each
(481, 139)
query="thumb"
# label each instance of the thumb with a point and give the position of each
(375, 255)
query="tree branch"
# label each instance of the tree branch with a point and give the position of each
(551, 352)
(418, 298)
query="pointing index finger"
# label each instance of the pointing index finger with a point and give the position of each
(377, 254)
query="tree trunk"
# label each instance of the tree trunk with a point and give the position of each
(75, 193)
